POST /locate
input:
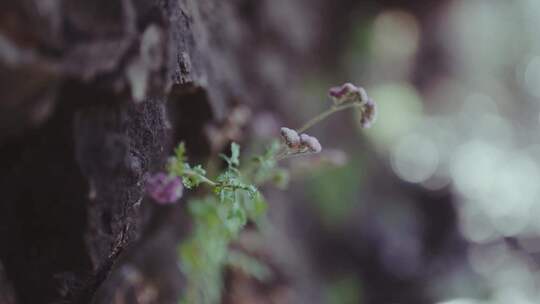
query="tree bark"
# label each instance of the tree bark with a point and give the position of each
(83, 119)
(93, 95)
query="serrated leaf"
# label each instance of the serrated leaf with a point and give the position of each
(199, 170)
(180, 152)
(252, 190)
(225, 158)
(174, 167)
(237, 214)
(193, 180)
(234, 160)
(188, 182)
(236, 219)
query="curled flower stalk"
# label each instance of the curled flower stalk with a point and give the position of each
(344, 97)
(333, 109)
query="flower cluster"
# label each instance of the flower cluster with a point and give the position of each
(164, 188)
(311, 143)
(290, 137)
(299, 144)
(348, 93)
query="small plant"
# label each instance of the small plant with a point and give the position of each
(219, 217)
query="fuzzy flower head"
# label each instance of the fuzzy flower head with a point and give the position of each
(299, 144)
(311, 143)
(164, 189)
(290, 137)
(369, 114)
(347, 93)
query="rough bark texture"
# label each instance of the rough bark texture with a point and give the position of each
(83, 119)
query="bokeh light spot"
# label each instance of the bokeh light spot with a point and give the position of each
(399, 110)
(474, 167)
(415, 158)
(396, 35)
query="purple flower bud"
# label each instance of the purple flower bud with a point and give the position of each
(163, 188)
(340, 91)
(347, 93)
(290, 137)
(369, 114)
(311, 143)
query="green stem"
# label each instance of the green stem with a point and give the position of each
(214, 184)
(325, 114)
(204, 179)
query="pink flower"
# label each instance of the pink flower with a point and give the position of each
(290, 137)
(311, 143)
(347, 93)
(164, 189)
(369, 114)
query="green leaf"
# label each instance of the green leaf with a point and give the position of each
(199, 170)
(235, 154)
(176, 164)
(180, 152)
(218, 219)
(234, 160)
(235, 221)
(195, 179)
(174, 167)
(256, 206)
(188, 182)
(238, 214)
(252, 190)
(249, 265)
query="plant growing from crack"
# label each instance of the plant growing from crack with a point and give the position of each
(220, 217)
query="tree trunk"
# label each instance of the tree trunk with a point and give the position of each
(94, 94)
(83, 119)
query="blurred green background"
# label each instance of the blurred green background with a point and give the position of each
(446, 184)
